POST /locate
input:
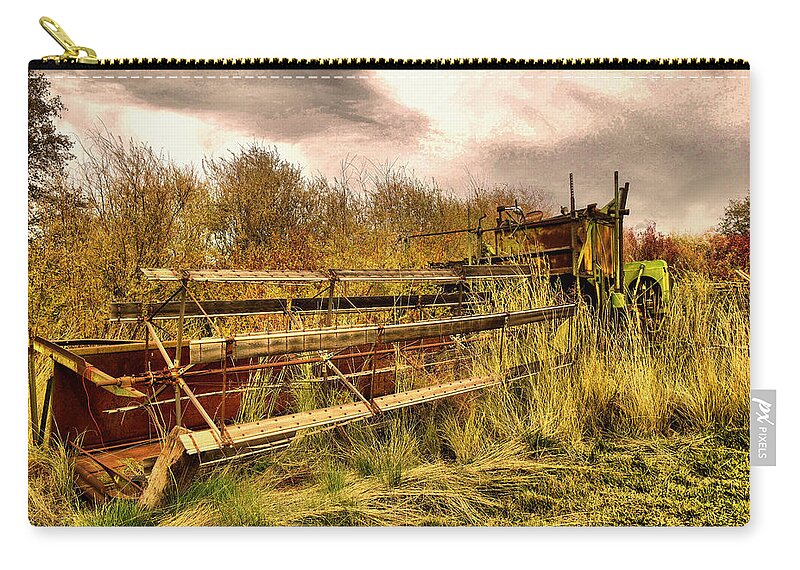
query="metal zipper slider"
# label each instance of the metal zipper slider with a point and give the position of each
(72, 52)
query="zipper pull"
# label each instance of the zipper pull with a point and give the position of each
(72, 52)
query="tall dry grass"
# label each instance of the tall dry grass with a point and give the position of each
(594, 442)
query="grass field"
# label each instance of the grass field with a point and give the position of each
(641, 429)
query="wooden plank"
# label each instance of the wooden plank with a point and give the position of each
(83, 368)
(272, 344)
(235, 276)
(366, 275)
(244, 307)
(199, 442)
(172, 471)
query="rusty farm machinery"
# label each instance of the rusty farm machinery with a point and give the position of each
(140, 411)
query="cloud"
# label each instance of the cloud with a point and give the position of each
(682, 143)
(284, 110)
(684, 148)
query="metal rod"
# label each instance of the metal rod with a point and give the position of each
(572, 229)
(160, 346)
(314, 360)
(343, 379)
(201, 410)
(171, 366)
(202, 310)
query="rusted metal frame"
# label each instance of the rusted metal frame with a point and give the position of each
(621, 244)
(94, 342)
(156, 403)
(146, 367)
(253, 432)
(291, 362)
(572, 229)
(343, 379)
(246, 346)
(130, 312)
(372, 275)
(113, 473)
(233, 276)
(373, 366)
(32, 395)
(74, 362)
(224, 390)
(503, 342)
(79, 365)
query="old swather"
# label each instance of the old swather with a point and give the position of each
(115, 401)
(582, 250)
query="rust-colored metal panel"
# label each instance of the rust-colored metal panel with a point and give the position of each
(79, 406)
(555, 235)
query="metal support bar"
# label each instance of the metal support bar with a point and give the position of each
(200, 408)
(343, 379)
(315, 340)
(202, 310)
(161, 349)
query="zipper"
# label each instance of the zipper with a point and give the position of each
(79, 57)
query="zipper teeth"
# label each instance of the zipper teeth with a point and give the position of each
(458, 63)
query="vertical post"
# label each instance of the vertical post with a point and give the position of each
(461, 295)
(617, 253)
(45, 421)
(621, 241)
(178, 350)
(469, 235)
(224, 387)
(331, 288)
(572, 229)
(32, 392)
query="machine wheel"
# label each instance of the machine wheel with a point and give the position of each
(646, 301)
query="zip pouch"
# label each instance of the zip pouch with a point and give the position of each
(380, 292)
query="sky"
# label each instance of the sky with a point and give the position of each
(681, 138)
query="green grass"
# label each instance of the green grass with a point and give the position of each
(698, 480)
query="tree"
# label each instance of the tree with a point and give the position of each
(736, 219)
(48, 150)
(143, 207)
(263, 213)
